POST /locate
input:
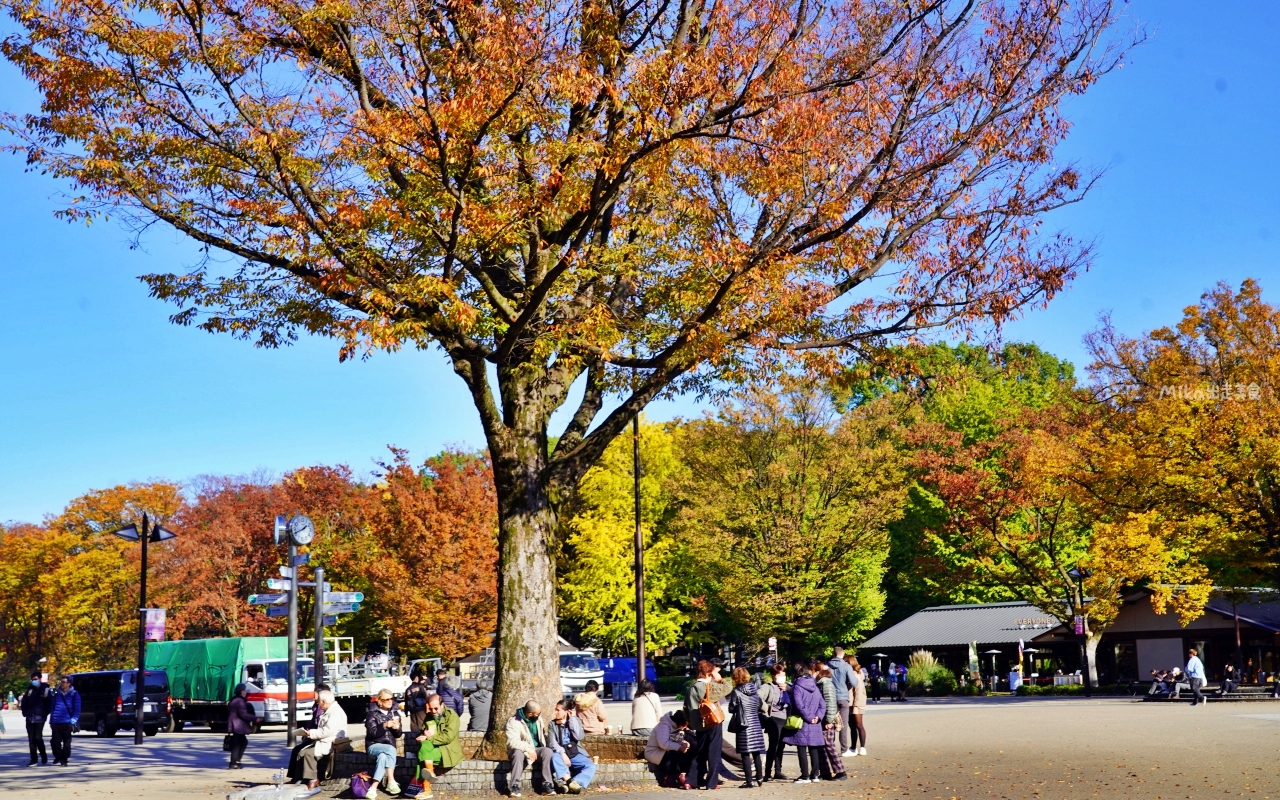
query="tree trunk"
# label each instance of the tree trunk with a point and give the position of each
(1091, 650)
(527, 646)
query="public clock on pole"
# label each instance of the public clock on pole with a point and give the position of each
(301, 530)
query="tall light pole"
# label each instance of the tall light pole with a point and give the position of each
(1078, 575)
(635, 458)
(148, 533)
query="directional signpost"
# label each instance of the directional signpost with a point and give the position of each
(344, 597)
(268, 599)
(341, 608)
(277, 611)
(278, 584)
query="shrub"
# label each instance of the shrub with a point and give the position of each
(672, 684)
(926, 676)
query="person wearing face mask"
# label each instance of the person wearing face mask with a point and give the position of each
(528, 741)
(773, 715)
(37, 705)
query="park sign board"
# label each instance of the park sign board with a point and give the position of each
(344, 597)
(277, 611)
(267, 599)
(341, 608)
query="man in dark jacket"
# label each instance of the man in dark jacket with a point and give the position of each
(240, 722)
(447, 688)
(480, 703)
(63, 719)
(37, 704)
(415, 701)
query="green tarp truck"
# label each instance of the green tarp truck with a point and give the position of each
(203, 674)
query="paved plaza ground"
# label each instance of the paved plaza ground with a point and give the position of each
(928, 749)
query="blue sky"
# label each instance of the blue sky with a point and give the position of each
(100, 389)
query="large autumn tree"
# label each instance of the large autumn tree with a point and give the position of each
(632, 197)
(783, 516)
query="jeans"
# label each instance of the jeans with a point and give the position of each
(842, 707)
(1196, 695)
(386, 755)
(60, 742)
(580, 769)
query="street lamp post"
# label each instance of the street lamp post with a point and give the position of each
(639, 565)
(149, 533)
(1078, 575)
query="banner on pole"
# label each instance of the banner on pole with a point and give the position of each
(154, 626)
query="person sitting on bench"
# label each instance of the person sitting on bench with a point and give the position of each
(305, 762)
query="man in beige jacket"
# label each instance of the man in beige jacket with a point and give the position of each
(528, 742)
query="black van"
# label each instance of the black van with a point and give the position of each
(106, 701)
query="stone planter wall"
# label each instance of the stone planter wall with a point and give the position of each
(474, 777)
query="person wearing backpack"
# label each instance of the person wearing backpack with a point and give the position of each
(773, 715)
(37, 704)
(63, 720)
(702, 708)
(415, 701)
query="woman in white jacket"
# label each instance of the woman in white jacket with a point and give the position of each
(646, 709)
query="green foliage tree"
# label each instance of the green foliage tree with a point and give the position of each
(783, 516)
(597, 583)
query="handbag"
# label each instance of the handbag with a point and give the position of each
(711, 712)
(226, 743)
(360, 783)
(793, 724)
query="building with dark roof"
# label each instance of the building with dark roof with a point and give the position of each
(1139, 641)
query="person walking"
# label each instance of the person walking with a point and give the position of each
(830, 723)
(646, 708)
(902, 683)
(805, 701)
(711, 687)
(873, 679)
(36, 705)
(382, 726)
(773, 715)
(744, 708)
(63, 719)
(842, 679)
(858, 707)
(240, 722)
(891, 677)
(481, 704)
(1195, 676)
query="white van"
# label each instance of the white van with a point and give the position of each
(576, 668)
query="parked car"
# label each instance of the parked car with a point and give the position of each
(577, 667)
(107, 701)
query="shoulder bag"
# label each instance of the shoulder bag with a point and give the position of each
(711, 712)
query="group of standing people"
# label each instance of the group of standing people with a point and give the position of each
(819, 712)
(59, 707)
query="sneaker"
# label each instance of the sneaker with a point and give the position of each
(848, 753)
(516, 793)
(801, 780)
(393, 787)
(842, 776)
(862, 751)
(574, 787)
(372, 792)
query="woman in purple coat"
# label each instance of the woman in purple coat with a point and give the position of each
(805, 700)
